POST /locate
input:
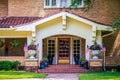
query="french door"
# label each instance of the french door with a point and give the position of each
(63, 50)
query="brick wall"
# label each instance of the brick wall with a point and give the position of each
(102, 11)
(3, 8)
(15, 58)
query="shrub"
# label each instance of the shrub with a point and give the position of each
(15, 64)
(8, 65)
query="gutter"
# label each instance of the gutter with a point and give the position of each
(11, 28)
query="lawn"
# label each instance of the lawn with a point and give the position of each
(20, 74)
(100, 76)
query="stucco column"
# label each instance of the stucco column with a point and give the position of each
(40, 51)
(99, 37)
(94, 28)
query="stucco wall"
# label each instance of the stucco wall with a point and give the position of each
(54, 27)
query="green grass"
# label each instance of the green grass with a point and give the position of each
(100, 76)
(20, 75)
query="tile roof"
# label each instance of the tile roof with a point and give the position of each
(6, 22)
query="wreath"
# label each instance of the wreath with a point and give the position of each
(14, 43)
(1, 43)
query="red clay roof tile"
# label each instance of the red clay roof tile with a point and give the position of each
(13, 21)
(6, 22)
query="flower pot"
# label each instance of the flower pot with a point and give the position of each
(42, 66)
(95, 53)
(46, 64)
(32, 54)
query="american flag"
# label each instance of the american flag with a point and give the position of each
(37, 47)
(25, 47)
(88, 48)
(103, 48)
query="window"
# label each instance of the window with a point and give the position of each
(50, 3)
(47, 2)
(53, 2)
(76, 46)
(9, 50)
(60, 3)
(51, 46)
(63, 3)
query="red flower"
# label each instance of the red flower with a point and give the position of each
(32, 47)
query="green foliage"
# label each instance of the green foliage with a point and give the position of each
(1, 43)
(15, 64)
(20, 75)
(8, 65)
(15, 43)
(5, 65)
(45, 59)
(87, 5)
(116, 25)
(81, 60)
(100, 76)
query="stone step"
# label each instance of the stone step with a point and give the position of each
(63, 69)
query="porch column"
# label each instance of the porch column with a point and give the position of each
(99, 37)
(40, 51)
(94, 28)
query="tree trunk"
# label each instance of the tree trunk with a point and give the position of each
(116, 46)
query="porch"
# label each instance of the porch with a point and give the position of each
(63, 48)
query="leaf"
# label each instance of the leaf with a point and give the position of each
(15, 43)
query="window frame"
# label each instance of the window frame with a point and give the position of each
(58, 4)
(50, 4)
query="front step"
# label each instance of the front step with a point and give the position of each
(63, 69)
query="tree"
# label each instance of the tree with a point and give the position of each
(87, 4)
(116, 47)
(115, 26)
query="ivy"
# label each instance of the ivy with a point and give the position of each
(87, 5)
(116, 25)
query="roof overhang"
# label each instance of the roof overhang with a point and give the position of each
(31, 26)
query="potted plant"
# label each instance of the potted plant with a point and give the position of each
(46, 61)
(32, 50)
(50, 58)
(76, 58)
(85, 64)
(80, 61)
(95, 50)
(42, 64)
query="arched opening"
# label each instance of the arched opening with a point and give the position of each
(63, 48)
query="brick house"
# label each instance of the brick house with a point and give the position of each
(53, 27)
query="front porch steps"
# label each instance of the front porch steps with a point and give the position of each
(63, 69)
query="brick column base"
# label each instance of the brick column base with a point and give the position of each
(96, 65)
(31, 65)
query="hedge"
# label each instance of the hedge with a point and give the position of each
(9, 65)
